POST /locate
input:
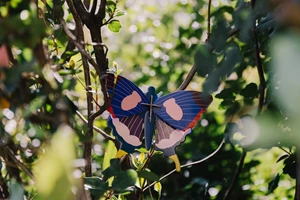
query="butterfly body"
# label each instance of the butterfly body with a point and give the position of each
(135, 115)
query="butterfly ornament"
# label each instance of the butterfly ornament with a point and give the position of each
(134, 116)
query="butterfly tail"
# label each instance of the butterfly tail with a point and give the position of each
(168, 138)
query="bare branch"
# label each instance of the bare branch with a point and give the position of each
(101, 13)
(94, 7)
(19, 163)
(188, 79)
(82, 11)
(105, 135)
(236, 176)
(188, 165)
(208, 20)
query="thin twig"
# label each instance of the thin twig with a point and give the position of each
(284, 150)
(236, 176)
(262, 84)
(188, 79)
(19, 163)
(87, 78)
(297, 192)
(208, 21)
(105, 135)
(188, 165)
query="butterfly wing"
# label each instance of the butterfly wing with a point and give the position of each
(124, 96)
(168, 138)
(177, 113)
(129, 131)
(182, 109)
(127, 112)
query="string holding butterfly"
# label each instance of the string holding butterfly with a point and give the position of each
(135, 115)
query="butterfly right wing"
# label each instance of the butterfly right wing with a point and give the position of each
(125, 98)
(168, 138)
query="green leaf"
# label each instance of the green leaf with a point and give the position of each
(205, 60)
(250, 91)
(290, 166)
(227, 93)
(109, 154)
(114, 26)
(148, 175)
(234, 108)
(158, 188)
(96, 186)
(273, 184)
(16, 190)
(120, 13)
(124, 180)
(283, 157)
(111, 7)
(219, 35)
(34, 105)
(54, 170)
(114, 169)
(220, 11)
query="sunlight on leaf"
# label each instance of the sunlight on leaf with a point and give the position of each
(54, 169)
(115, 26)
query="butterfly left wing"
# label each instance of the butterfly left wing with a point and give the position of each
(127, 112)
(182, 109)
(168, 138)
(129, 131)
(125, 98)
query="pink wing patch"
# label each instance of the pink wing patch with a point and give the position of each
(173, 109)
(175, 136)
(124, 132)
(131, 101)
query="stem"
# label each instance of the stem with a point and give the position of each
(87, 78)
(297, 192)
(105, 135)
(260, 71)
(236, 176)
(208, 21)
(188, 79)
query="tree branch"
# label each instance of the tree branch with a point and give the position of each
(18, 163)
(188, 79)
(101, 13)
(236, 176)
(94, 7)
(105, 135)
(208, 21)
(87, 78)
(188, 165)
(297, 192)
(82, 11)
(262, 85)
